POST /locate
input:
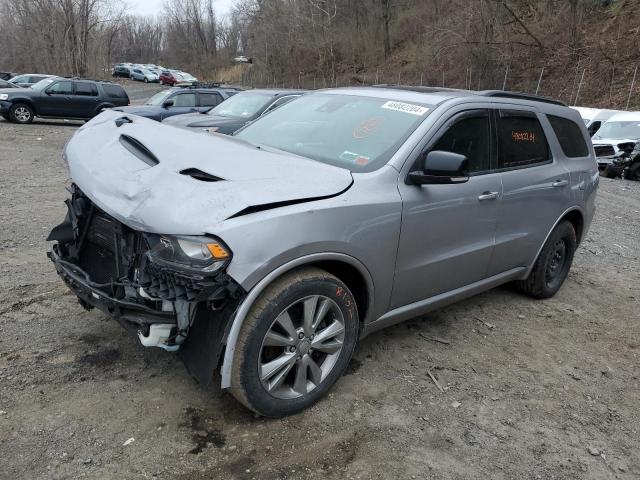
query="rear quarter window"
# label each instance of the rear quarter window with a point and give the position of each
(570, 136)
(114, 91)
(521, 140)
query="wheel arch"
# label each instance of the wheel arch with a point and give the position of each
(26, 100)
(102, 106)
(345, 267)
(577, 218)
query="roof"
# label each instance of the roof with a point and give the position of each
(437, 95)
(278, 91)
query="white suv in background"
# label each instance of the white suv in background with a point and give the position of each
(617, 135)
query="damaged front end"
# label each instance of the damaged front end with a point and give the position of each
(172, 290)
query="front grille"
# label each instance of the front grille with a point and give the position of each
(604, 150)
(162, 282)
(117, 257)
(99, 253)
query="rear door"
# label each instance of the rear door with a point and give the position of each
(448, 231)
(536, 187)
(208, 100)
(85, 99)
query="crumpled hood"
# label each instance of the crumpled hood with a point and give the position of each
(200, 120)
(123, 181)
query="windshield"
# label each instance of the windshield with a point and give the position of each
(42, 84)
(159, 97)
(619, 130)
(244, 105)
(354, 132)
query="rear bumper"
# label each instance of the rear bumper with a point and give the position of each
(91, 294)
(5, 107)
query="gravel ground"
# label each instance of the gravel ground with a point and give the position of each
(531, 389)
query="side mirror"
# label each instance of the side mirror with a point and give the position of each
(167, 104)
(441, 167)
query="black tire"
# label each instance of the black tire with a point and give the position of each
(553, 264)
(634, 172)
(285, 295)
(145, 80)
(21, 113)
(610, 171)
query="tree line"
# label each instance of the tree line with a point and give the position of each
(581, 51)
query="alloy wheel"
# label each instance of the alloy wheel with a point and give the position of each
(22, 114)
(301, 347)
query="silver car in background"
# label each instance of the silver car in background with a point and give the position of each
(269, 254)
(144, 75)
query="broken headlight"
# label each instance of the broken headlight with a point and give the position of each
(198, 254)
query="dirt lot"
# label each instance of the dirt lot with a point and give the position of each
(532, 389)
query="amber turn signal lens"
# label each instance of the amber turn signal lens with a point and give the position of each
(218, 251)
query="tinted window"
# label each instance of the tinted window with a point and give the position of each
(114, 91)
(209, 99)
(86, 89)
(184, 100)
(61, 88)
(521, 140)
(35, 78)
(469, 136)
(569, 136)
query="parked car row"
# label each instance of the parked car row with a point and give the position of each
(153, 73)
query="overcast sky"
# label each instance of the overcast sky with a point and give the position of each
(153, 7)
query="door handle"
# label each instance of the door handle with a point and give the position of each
(560, 183)
(488, 196)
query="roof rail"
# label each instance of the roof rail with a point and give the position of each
(71, 77)
(521, 96)
(418, 89)
(208, 85)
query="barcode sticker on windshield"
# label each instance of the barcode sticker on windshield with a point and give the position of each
(406, 108)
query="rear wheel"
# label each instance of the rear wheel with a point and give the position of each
(295, 343)
(553, 264)
(610, 171)
(21, 113)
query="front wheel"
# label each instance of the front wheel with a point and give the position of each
(295, 343)
(21, 113)
(553, 264)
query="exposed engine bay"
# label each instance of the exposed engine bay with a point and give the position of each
(173, 291)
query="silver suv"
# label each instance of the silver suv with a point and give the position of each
(269, 254)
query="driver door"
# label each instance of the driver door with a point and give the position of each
(184, 102)
(448, 230)
(56, 100)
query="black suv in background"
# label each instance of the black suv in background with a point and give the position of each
(120, 70)
(58, 97)
(179, 100)
(237, 112)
